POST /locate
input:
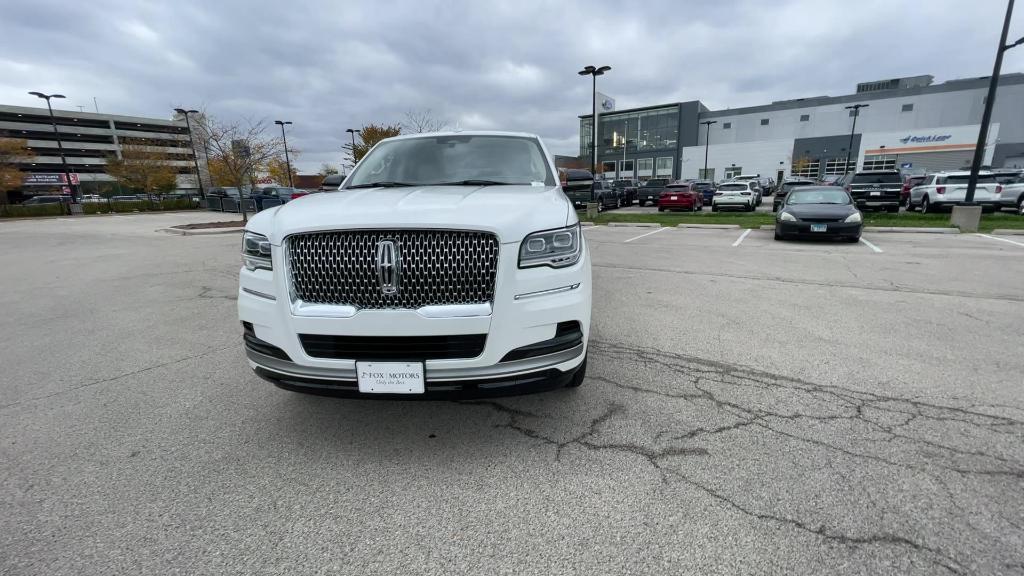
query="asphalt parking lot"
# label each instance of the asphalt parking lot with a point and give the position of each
(752, 407)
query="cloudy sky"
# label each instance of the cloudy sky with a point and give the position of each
(330, 65)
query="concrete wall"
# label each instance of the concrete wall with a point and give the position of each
(760, 157)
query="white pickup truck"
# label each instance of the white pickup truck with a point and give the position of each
(447, 263)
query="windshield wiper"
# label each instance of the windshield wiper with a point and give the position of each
(385, 184)
(472, 182)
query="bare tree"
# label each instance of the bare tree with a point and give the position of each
(144, 166)
(419, 121)
(240, 150)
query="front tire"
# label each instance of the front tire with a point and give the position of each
(926, 205)
(661, 209)
(910, 204)
(642, 203)
(714, 207)
(777, 235)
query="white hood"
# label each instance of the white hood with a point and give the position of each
(511, 212)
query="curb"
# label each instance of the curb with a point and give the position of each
(635, 224)
(711, 226)
(911, 230)
(768, 227)
(199, 232)
(1008, 232)
(586, 223)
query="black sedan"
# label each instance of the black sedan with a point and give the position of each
(818, 211)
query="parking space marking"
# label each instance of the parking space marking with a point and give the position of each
(663, 228)
(872, 246)
(1021, 244)
(742, 237)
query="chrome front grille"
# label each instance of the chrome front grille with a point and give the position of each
(434, 267)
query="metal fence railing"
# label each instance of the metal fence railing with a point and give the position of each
(117, 204)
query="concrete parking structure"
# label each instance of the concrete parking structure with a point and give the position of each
(751, 407)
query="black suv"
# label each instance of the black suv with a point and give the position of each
(651, 190)
(875, 189)
(627, 188)
(577, 185)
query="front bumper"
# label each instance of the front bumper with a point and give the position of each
(528, 306)
(832, 229)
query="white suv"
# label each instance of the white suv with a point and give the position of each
(446, 263)
(950, 188)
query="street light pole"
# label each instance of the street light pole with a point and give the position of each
(707, 141)
(625, 141)
(849, 147)
(192, 143)
(986, 116)
(593, 73)
(287, 161)
(60, 147)
(353, 133)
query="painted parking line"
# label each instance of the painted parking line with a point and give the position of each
(1014, 242)
(662, 229)
(872, 246)
(742, 237)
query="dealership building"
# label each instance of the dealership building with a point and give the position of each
(909, 123)
(90, 140)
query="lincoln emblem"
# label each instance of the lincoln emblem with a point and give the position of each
(389, 266)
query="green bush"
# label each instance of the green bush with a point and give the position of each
(16, 210)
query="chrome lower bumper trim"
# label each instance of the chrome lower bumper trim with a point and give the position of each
(546, 292)
(307, 310)
(433, 374)
(259, 294)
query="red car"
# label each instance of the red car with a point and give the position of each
(681, 196)
(908, 183)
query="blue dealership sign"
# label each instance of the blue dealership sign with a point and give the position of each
(907, 165)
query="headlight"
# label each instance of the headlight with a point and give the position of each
(855, 217)
(555, 248)
(256, 251)
(787, 217)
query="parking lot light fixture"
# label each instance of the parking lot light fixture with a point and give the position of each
(287, 161)
(60, 147)
(986, 116)
(856, 112)
(353, 132)
(707, 140)
(192, 143)
(593, 72)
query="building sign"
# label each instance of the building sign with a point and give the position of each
(605, 103)
(929, 138)
(48, 179)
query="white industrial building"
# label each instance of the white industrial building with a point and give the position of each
(909, 123)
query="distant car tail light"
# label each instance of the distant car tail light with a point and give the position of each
(298, 194)
(940, 189)
(999, 189)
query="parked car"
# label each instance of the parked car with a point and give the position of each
(650, 191)
(1008, 175)
(820, 211)
(908, 183)
(605, 196)
(786, 188)
(46, 199)
(331, 182)
(126, 198)
(91, 198)
(735, 196)
(944, 189)
(681, 196)
(578, 185)
(875, 189)
(628, 189)
(1012, 195)
(266, 197)
(706, 188)
(460, 289)
(758, 189)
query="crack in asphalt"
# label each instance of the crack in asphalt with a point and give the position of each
(756, 400)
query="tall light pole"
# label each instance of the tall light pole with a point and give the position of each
(353, 132)
(192, 143)
(625, 142)
(60, 147)
(849, 147)
(594, 73)
(986, 116)
(287, 161)
(707, 140)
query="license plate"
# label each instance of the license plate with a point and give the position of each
(819, 227)
(390, 377)
(674, 198)
(877, 193)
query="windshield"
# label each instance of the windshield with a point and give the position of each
(893, 178)
(655, 182)
(818, 196)
(733, 187)
(454, 159)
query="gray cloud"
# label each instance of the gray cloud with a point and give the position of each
(510, 65)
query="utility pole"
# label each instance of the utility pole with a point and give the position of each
(849, 147)
(986, 116)
(707, 142)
